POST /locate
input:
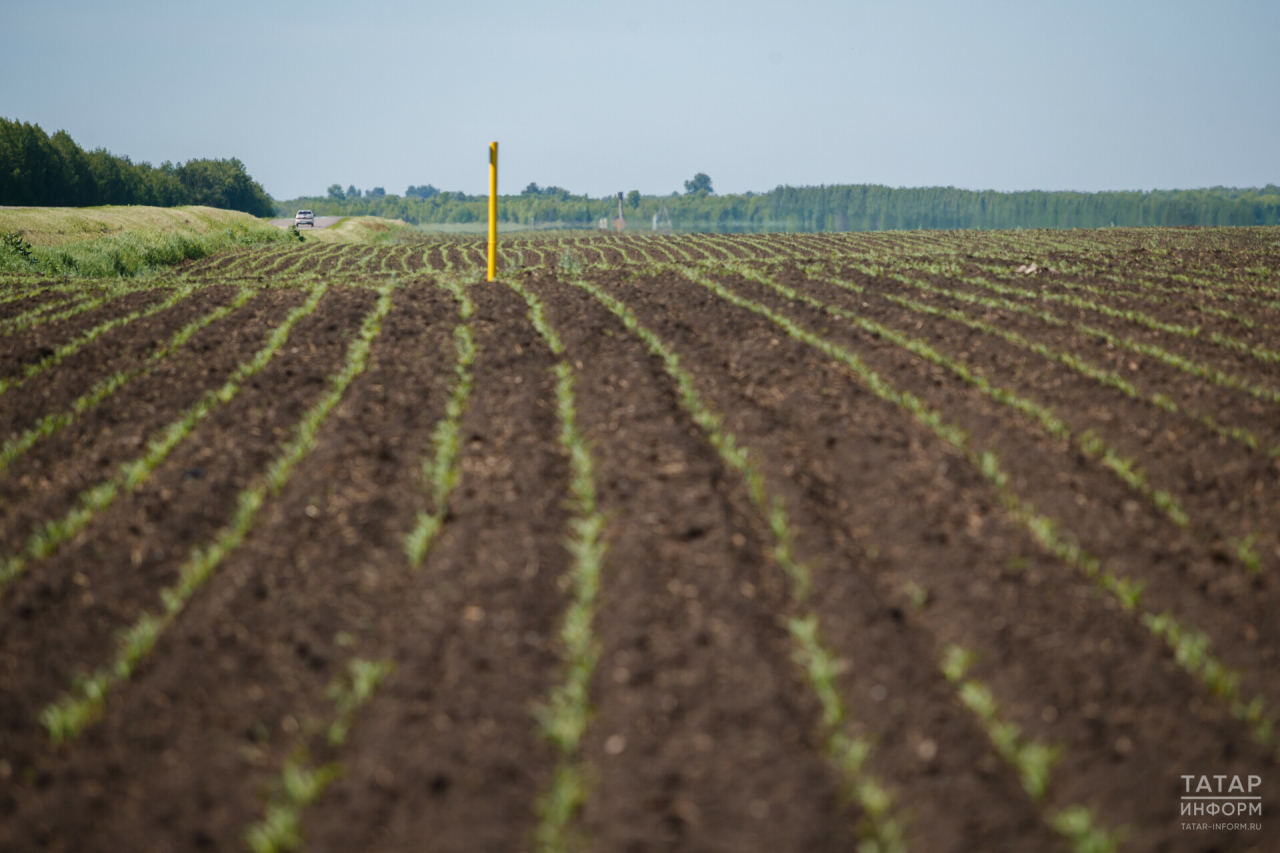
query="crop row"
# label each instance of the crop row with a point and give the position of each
(1191, 647)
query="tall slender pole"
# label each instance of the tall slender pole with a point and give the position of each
(493, 210)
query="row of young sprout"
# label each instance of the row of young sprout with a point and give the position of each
(1124, 468)
(882, 828)
(66, 717)
(46, 539)
(1261, 354)
(440, 469)
(49, 424)
(1072, 361)
(1137, 317)
(73, 346)
(565, 713)
(1192, 367)
(78, 300)
(1152, 288)
(1191, 647)
(1180, 299)
(301, 782)
(1244, 545)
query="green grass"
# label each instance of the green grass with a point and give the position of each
(138, 253)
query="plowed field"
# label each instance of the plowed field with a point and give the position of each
(875, 542)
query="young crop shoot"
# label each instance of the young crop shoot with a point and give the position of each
(1047, 532)
(93, 500)
(1072, 362)
(441, 470)
(1193, 368)
(78, 304)
(67, 717)
(301, 784)
(1125, 469)
(1033, 761)
(882, 827)
(1262, 354)
(74, 346)
(565, 713)
(14, 448)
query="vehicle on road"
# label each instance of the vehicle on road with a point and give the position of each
(304, 217)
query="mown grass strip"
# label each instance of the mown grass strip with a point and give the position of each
(71, 347)
(301, 783)
(882, 828)
(1032, 761)
(93, 500)
(1124, 468)
(1191, 647)
(14, 448)
(565, 713)
(441, 470)
(67, 717)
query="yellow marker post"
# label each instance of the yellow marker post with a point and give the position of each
(493, 210)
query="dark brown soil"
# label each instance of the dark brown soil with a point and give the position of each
(769, 383)
(60, 611)
(694, 675)
(45, 481)
(704, 733)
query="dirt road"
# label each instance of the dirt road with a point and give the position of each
(321, 221)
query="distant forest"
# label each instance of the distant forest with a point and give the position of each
(859, 207)
(39, 170)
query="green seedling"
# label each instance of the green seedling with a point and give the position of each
(83, 703)
(881, 829)
(441, 469)
(300, 785)
(90, 502)
(14, 448)
(1216, 677)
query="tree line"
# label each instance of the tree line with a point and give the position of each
(40, 170)
(842, 207)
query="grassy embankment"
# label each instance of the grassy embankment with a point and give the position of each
(121, 241)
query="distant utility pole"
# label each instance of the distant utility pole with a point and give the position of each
(622, 224)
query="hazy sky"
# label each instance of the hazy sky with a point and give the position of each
(604, 96)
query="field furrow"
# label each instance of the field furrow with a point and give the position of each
(146, 520)
(275, 711)
(661, 541)
(448, 750)
(1023, 569)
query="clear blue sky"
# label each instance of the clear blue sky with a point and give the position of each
(604, 96)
